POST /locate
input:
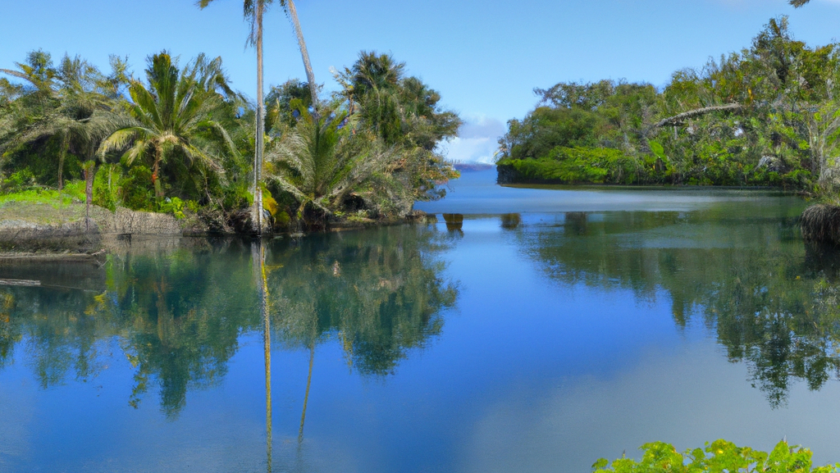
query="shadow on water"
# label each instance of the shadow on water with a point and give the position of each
(772, 300)
(179, 309)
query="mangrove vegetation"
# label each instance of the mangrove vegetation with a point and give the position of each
(767, 115)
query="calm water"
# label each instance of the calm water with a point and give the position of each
(548, 328)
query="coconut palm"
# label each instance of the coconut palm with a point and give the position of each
(63, 103)
(323, 158)
(254, 11)
(175, 114)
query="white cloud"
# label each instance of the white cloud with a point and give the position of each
(477, 140)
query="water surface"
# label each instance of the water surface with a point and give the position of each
(536, 332)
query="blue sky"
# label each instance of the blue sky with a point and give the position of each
(485, 57)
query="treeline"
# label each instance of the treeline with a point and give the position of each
(766, 116)
(180, 139)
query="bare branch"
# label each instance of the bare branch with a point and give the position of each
(678, 119)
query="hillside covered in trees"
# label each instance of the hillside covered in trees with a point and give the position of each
(178, 138)
(765, 116)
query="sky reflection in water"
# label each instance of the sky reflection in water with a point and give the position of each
(531, 341)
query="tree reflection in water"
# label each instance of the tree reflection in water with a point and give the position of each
(177, 310)
(773, 302)
(380, 293)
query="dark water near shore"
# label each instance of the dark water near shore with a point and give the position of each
(543, 330)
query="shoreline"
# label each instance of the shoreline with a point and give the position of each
(33, 232)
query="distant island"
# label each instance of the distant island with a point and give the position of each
(472, 167)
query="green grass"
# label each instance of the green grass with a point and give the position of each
(74, 192)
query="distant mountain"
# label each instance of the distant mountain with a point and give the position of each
(471, 167)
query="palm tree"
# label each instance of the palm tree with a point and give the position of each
(376, 82)
(173, 114)
(64, 103)
(798, 3)
(40, 99)
(254, 11)
(321, 160)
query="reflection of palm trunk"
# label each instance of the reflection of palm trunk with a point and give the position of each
(258, 256)
(267, 349)
(306, 396)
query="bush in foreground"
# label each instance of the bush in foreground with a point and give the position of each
(718, 457)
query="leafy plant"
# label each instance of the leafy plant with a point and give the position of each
(719, 456)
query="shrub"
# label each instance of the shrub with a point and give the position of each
(18, 181)
(719, 456)
(106, 186)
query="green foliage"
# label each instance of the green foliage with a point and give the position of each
(183, 133)
(174, 118)
(106, 186)
(278, 103)
(73, 192)
(580, 165)
(719, 456)
(322, 159)
(783, 133)
(405, 114)
(137, 190)
(175, 206)
(18, 181)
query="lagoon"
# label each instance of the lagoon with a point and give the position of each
(541, 330)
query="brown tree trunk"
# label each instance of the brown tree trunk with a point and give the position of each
(259, 144)
(156, 178)
(61, 155)
(310, 76)
(677, 119)
(90, 172)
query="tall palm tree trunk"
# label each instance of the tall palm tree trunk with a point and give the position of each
(90, 171)
(310, 76)
(64, 143)
(260, 132)
(156, 172)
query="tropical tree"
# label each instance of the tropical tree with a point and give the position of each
(403, 112)
(324, 158)
(29, 105)
(254, 11)
(176, 116)
(67, 103)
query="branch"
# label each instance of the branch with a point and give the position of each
(678, 119)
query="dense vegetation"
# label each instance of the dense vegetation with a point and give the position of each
(766, 116)
(180, 139)
(719, 456)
